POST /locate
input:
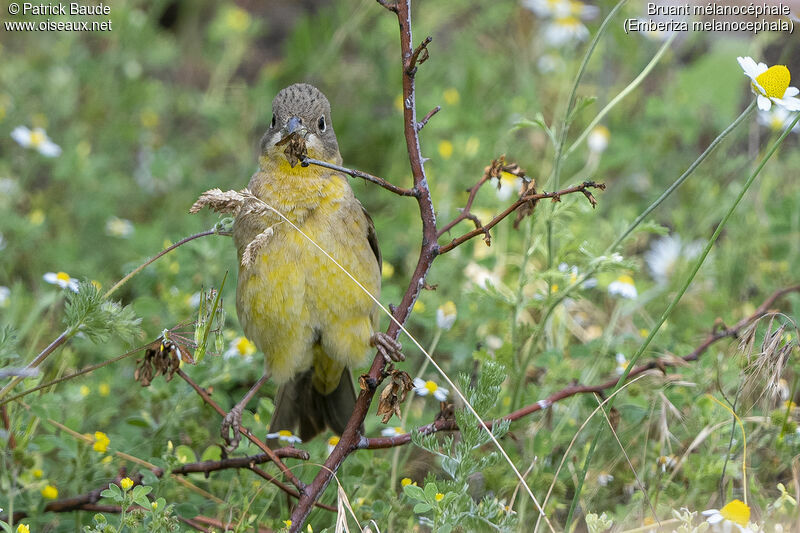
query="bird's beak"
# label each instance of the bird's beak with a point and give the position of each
(295, 124)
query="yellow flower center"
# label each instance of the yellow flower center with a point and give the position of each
(775, 80)
(63, 276)
(285, 433)
(333, 441)
(37, 138)
(625, 279)
(569, 22)
(245, 347)
(398, 430)
(405, 482)
(439, 496)
(431, 386)
(737, 512)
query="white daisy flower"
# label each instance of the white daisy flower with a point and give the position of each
(665, 253)
(565, 30)
(735, 514)
(240, 347)
(423, 388)
(547, 8)
(119, 227)
(284, 435)
(549, 63)
(603, 479)
(5, 293)
(622, 363)
(508, 185)
(332, 442)
(624, 287)
(777, 119)
(480, 276)
(666, 462)
(446, 315)
(36, 139)
(770, 84)
(597, 140)
(62, 279)
(392, 432)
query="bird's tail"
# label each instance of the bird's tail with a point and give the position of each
(306, 412)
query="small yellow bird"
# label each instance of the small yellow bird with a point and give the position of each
(311, 321)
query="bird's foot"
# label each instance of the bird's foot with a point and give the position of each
(230, 431)
(390, 349)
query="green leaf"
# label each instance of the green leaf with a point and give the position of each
(414, 492)
(212, 453)
(430, 492)
(185, 454)
(422, 508)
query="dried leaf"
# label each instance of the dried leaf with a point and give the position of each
(394, 394)
(295, 150)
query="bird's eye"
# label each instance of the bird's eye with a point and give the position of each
(321, 123)
(274, 121)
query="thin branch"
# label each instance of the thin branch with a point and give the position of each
(247, 433)
(359, 174)
(573, 390)
(530, 199)
(428, 252)
(418, 56)
(391, 6)
(421, 124)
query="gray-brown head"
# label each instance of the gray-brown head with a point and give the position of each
(302, 108)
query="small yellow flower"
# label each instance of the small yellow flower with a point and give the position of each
(101, 442)
(62, 279)
(288, 523)
(84, 390)
(36, 217)
(154, 505)
(406, 481)
(387, 270)
(770, 84)
(439, 496)
(451, 96)
(49, 492)
(107, 459)
(23, 528)
(419, 307)
(284, 435)
(643, 333)
(96, 284)
(37, 473)
(445, 149)
(104, 389)
(126, 483)
(241, 347)
(554, 287)
(332, 442)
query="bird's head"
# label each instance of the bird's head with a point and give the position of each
(300, 114)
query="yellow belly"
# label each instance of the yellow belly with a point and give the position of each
(294, 297)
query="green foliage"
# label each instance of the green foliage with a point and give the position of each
(87, 312)
(173, 102)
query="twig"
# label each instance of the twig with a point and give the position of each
(427, 117)
(524, 199)
(359, 174)
(418, 56)
(247, 433)
(391, 6)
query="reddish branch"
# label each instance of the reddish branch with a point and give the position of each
(247, 433)
(359, 174)
(429, 250)
(572, 390)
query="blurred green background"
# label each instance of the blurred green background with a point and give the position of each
(173, 101)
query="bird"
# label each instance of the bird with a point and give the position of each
(309, 319)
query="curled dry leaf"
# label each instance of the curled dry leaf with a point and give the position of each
(394, 394)
(295, 150)
(160, 357)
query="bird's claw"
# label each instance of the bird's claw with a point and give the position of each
(232, 423)
(390, 349)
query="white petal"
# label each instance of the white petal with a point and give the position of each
(791, 91)
(272, 435)
(709, 512)
(419, 383)
(51, 277)
(72, 285)
(791, 103)
(764, 103)
(748, 65)
(441, 394)
(22, 135)
(49, 149)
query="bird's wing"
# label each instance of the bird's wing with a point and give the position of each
(372, 237)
